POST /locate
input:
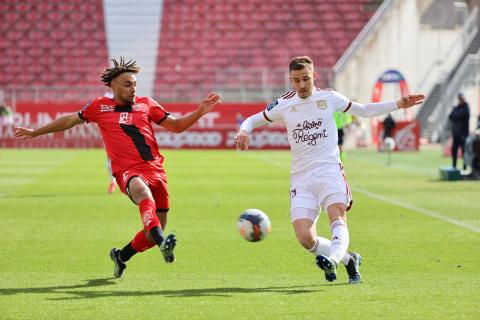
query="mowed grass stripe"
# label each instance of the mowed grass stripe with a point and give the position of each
(403, 168)
(59, 228)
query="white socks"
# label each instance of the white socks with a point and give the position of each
(340, 240)
(322, 246)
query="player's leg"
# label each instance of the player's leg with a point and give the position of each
(335, 197)
(340, 240)
(139, 243)
(306, 233)
(160, 194)
(136, 188)
(341, 134)
(454, 151)
(338, 245)
(304, 224)
(340, 235)
(140, 193)
(337, 214)
(113, 184)
(462, 147)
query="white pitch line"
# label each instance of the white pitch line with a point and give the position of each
(426, 212)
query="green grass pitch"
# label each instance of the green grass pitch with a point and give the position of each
(419, 238)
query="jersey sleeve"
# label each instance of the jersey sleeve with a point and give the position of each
(272, 111)
(89, 111)
(340, 102)
(157, 112)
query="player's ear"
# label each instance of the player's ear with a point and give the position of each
(315, 75)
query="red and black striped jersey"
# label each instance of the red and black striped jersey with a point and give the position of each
(126, 130)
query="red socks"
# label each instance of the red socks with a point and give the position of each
(140, 243)
(150, 220)
(147, 212)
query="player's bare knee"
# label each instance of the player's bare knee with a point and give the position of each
(337, 211)
(139, 190)
(142, 195)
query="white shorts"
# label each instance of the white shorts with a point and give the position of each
(319, 188)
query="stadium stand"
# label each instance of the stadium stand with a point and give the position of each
(248, 43)
(59, 45)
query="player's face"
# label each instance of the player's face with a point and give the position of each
(302, 81)
(124, 87)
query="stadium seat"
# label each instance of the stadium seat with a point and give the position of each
(248, 36)
(37, 35)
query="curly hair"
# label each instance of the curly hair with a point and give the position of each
(118, 68)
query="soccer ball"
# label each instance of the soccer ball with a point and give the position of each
(253, 225)
(389, 143)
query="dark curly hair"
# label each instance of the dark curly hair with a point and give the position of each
(118, 68)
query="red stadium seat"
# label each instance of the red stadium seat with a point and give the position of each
(37, 35)
(248, 36)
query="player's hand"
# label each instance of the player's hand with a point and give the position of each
(24, 133)
(209, 102)
(242, 140)
(410, 101)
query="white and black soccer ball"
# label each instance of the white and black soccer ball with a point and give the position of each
(253, 225)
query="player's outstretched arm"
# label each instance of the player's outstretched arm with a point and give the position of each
(59, 124)
(374, 109)
(257, 120)
(183, 123)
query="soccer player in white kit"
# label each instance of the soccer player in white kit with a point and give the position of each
(317, 179)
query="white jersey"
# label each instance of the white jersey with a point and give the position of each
(310, 124)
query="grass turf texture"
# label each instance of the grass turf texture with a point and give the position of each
(58, 225)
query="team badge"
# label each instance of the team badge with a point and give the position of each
(322, 104)
(294, 109)
(125, 118)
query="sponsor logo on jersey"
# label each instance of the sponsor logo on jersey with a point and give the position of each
(125, 176)
(272, 105)
(125, 118)
(309, 132)
(322, 104)
(107, 108)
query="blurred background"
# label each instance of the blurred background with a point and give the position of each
(53, 51)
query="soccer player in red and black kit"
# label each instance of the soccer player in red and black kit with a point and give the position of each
(137, 165)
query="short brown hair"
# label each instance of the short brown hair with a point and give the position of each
(118, 68)
(300, 62)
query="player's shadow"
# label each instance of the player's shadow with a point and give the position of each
(58, 289)
(58, 195)
(76, 292)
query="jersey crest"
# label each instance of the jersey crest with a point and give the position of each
(322, 104)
